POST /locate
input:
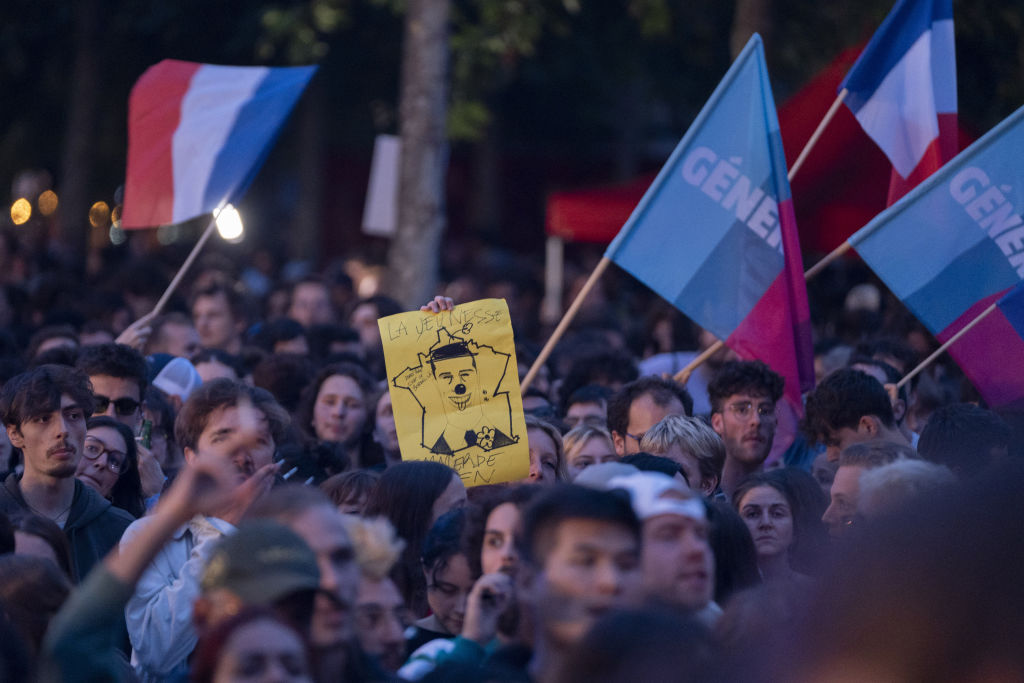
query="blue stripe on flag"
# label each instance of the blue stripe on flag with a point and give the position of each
(1012, 306)
(978, 273)
(730, 282)
(904, 25)
(256, 127)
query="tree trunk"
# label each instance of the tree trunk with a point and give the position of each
(414, 256)
(306, 231)
(752, 16)
(76, 167)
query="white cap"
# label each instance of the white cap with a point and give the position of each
(178, 378)
(654, 493)
(597, 476)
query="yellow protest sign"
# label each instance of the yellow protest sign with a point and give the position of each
(454, 389)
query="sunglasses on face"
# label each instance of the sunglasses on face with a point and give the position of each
(94, 448)
(123, 406)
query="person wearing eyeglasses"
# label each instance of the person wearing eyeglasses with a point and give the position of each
(119, 377)
(640, 405)
(743, 396)
(109, 464)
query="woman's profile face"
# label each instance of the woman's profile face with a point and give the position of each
(767, 514)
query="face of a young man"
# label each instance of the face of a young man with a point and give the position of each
(592, 567)
(52, 442)
(842, 507)
(310, 305)
(214, 321)
(322, 529)
(677, 562)
(381, 619)
(222, 434)
(179, 340)
(746, 424)
(644, 413)
(118, 393)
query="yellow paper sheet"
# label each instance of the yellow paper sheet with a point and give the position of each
(455, 390)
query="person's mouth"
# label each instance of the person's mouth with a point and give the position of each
(460, 402)
(64, 451)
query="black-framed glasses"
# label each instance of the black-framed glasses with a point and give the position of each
(123, 406)
(638, 437)
(94, 448)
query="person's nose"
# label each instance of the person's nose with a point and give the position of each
(765, 521)
(831, 516)
(609, 579)
(393, 633)
(535, 470)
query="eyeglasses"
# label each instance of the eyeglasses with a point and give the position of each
(123, 406)
(638, 437)
(94, 448)
(745, 409)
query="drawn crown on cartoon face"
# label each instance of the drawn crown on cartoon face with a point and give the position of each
(453, 365)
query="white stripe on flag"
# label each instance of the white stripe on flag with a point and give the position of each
(208, 113)
(944, 66)
(900, 116)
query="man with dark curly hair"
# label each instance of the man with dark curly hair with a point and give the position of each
(848, 407)
(743, 396)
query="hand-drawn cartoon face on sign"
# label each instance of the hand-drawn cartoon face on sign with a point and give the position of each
(455, 390)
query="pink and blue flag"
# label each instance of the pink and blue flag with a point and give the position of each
(198, 133)
(715, 233)
(902, 89)
(954, 246)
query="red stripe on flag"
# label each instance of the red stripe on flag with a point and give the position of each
(990, 354)
(154, 111)
(941, 150)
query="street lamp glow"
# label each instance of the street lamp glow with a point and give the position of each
(229, 224)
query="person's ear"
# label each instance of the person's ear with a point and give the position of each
(899, 410)
(190, 455)
(869, 425)
(708, 486)
(15, 437)
(717, 423)
(619, 442)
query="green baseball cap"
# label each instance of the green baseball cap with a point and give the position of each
(262, 562)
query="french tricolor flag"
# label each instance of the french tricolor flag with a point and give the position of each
(902, 90)
(198, 133)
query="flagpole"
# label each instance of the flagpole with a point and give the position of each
(683, 376)
(563, 325)
(942, 349)
(817, 133)
(203, 239)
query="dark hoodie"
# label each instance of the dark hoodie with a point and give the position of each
(93, 528)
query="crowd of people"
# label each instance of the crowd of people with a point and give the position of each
(218, 494)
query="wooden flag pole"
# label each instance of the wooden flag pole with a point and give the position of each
(817, 133)
(942, 349)
(563, 324)
(683, 376)
(203, 239)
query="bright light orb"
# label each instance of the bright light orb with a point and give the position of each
(21, 211)
(229, 224)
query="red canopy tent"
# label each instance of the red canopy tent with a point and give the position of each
(841, 186)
